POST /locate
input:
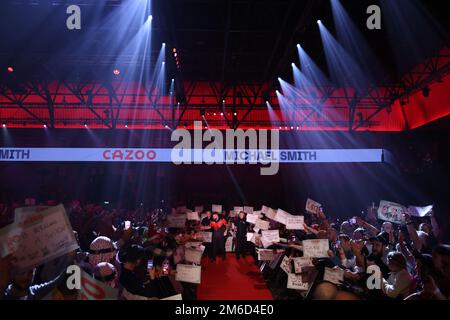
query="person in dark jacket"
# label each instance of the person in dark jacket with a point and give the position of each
(241, 235)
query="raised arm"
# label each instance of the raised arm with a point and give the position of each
(413, 233)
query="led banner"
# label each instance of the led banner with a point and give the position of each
(187, 156)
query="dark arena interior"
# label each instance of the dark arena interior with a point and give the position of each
(97, 96)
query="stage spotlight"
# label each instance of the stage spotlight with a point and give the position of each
(116, 72)
(166, 126)
(126, 126)
(298, 45)
(293, 65)
(4, 125)
(163, 44)
(85, 125)
(426, 92)
(221, 113)
(292, 128)
(45, 126)
(10, 69)
(149, 18)
(235, 114)
(319, 22)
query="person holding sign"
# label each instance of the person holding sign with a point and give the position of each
(241, 235)
(219, 230)
(206, 226)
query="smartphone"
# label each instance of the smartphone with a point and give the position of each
(150, 264)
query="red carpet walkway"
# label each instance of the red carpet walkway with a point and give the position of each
(232, 279)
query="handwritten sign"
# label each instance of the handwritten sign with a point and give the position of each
(248, 210)
(286, 265)
(193, 255)
(313, 206)
(38, 237)
(265, 255)
(315, 248)
(281, 216)
(251, 218)
(188, 273)
(295, 282)
(262, 225)
(205, 236)
(294, 223)
(271, 235)
(193, 216)
(335, 275)
(301, 262)
(392, 212)
(217, 208)
(92, 289)
(198, 209)
(176, 220)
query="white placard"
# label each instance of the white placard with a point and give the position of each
(300, 262)
(205, 236)
(264, 209)
(281, 216)
(420, 211)
(188, 273)
(41, 235)
(217, 208)
(193, 255)
(262, 224)
(175, 297)
(265, 255)
(392, 212)
(295, 223)
(313, 206)
(248, 210)
(229, 244)
(198, 209)
(295, 282)
(176, 220)
(238, 209)
(251, 218)
(193, 216)
(271, 235)
(271, 213)
(92, 289)
(315, 248)
(335, 275)
(258, 213)
(286, 265)
(250, 236)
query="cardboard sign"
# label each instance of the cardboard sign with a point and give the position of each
(250, 236)
(300, 262)
(420, 211)
(188, 273)
(205, 236)
(39, 236)
(295, 223)
(265, 255)
(335, 275)
(92, 289)
(281, 216)
(198, 209)
(251, 218)
(392, 212)
(313, 206)
(286, 265)
(217, 208)
(295, 282)
(176, 221)
(229, 244)
(262, 224)
(315, 248)
(271, 236)
(193, 216)
(193, 255)
(248, 210)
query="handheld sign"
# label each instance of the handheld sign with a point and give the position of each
(392, 212)
(40, 236)
(335, 275)
(295, 223)
(193, 255)
(181, 209)
(300, 262)
(281, 216)
(265, 255)
(205, 236)
(295, 282)
(217, 208)
(193, 216)
(271, 236)
(271, 213)
(176, 221)
(313, 206)
(238, 209)
(248, 210)
(188, 273)
(175, 297)
(92, 289)
(262, 225)
(250, 236)
(264, 209)
(315, 248)
(251, 218)
(286, 265)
